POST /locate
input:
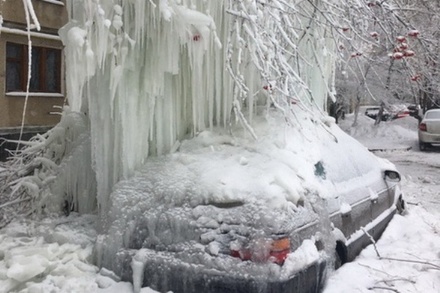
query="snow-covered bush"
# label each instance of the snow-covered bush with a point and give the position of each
(51, 173)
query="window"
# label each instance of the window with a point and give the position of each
(58, 2)
(433, 114)
(45, 69)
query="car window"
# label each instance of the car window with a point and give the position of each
(342, 164)
(372, 110)
(433, 115)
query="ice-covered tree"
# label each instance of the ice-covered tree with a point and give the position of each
(144, 75)
(392, 45)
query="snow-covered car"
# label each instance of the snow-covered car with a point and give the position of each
(429, 129)
(230, 214)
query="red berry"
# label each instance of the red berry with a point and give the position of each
(413, 33)
(401, 39)
(397, 56)
(409, 53)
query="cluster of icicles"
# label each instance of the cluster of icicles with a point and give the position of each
(147, 74)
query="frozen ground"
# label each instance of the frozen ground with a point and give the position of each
(56, 255)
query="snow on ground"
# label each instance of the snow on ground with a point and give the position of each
(392, 135)
(409, 259)
(55, 255)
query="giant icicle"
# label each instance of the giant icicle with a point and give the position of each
(151, 73)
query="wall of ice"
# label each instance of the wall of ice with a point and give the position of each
(150, 73)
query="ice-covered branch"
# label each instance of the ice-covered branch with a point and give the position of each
(145, 75)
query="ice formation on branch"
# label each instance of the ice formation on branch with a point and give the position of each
(49, 165)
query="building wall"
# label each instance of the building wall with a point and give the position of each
(51, 16)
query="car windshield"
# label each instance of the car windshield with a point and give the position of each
(433, 115)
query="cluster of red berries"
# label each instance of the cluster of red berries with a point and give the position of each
(401, 50)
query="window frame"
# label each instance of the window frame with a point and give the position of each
(42, 78)
(56, 2)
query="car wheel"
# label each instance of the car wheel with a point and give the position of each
(340, 254)
(422, 146)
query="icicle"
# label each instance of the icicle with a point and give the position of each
(150, 73)
(29, 10)
(138, 266)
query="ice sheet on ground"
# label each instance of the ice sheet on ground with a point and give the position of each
(54, 255)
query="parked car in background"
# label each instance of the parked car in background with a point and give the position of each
(223, 215)
(392, 112)
(373, 111)
(429, 129)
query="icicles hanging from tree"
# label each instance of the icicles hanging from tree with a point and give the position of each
(290, 52)
(147, 74)
(151, 73)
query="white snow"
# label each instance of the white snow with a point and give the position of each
(31, 33)
(304, 256)
(345, 208)
(59, 251)
(34, 94)
(382, 136)
(410, 260)
(117, 80)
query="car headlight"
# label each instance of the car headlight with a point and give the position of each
(392, 176)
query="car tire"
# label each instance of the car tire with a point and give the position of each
(340, 254)
(422, 146)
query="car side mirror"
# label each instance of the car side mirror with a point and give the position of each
(392, 176)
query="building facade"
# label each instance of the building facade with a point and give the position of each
(46, 83)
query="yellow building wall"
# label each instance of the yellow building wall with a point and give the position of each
(51, 17)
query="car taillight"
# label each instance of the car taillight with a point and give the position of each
(277, 251)
(243, 254)
(422, 127)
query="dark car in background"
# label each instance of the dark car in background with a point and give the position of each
(392, 112)
(373, 112)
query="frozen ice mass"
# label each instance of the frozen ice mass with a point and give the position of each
(150, 74)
